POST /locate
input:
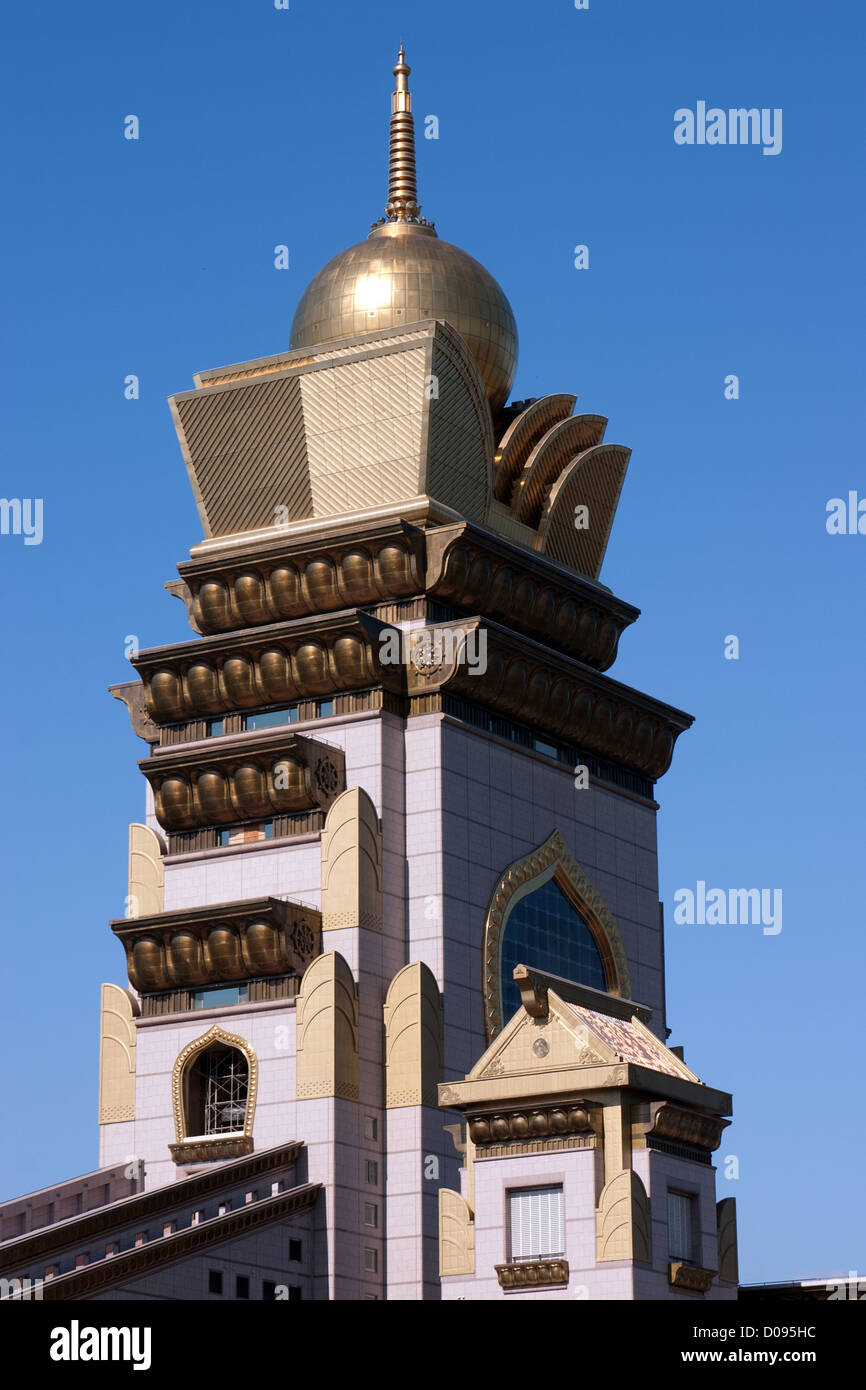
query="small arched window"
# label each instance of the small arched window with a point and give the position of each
(544, 930)
(214, 1084)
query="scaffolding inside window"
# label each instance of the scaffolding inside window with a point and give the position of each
(225, 1078)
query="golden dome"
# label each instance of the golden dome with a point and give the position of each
(403, 273)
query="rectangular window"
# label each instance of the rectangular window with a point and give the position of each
(246, 834)
(372, 1172)
(220, 998)
(681, 1226)
(214, 1281)
(269, 1289)
(371, 1261)
(296, 1293)
(242, 1286)
(215, 727)
(547, 748)
(535, 1222)
(371, 1214)
(295, 1250)
(324, 709)
(371, 1127)
(271, 718)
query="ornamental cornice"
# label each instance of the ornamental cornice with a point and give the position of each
(472, 658)
(208, 945)
(523, 680)
(532, 1273)
(480, 573)
(247, 778)
(211, 1150)
(679, 1125)
(260, 666)
(527, 1123)
(691, 1277)
(463, 565)
(277, 582)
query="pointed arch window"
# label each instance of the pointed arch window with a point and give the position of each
(214, 1093)
(545, 931)
(545, 913)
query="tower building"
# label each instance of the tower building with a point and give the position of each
(394, 1024)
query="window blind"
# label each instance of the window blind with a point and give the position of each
(681, 1209)
(536, 1223)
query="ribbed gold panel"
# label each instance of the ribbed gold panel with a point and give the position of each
(246, 454)
(593, 480)
(548, 461)
(459, 446)
(364, 425)
(523, 434)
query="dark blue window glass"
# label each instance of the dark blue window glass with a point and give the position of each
(547, 748)
(546, 932)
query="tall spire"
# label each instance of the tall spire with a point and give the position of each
(403, 205)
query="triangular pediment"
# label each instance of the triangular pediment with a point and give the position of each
(560, 1041)
(565, 1035)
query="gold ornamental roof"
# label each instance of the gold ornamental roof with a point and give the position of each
(404, 273)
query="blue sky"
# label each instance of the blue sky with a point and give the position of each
(155, 257)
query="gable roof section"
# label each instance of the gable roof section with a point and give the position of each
(569, 1039)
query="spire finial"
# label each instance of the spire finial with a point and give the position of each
(403, 203)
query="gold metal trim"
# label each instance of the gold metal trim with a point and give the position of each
(192, 947)
(683, 1276)
(529, 1273)
(182, 1061)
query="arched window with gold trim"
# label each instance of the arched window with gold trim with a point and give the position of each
(545, 913)
(545, 931)
(214, 1093)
